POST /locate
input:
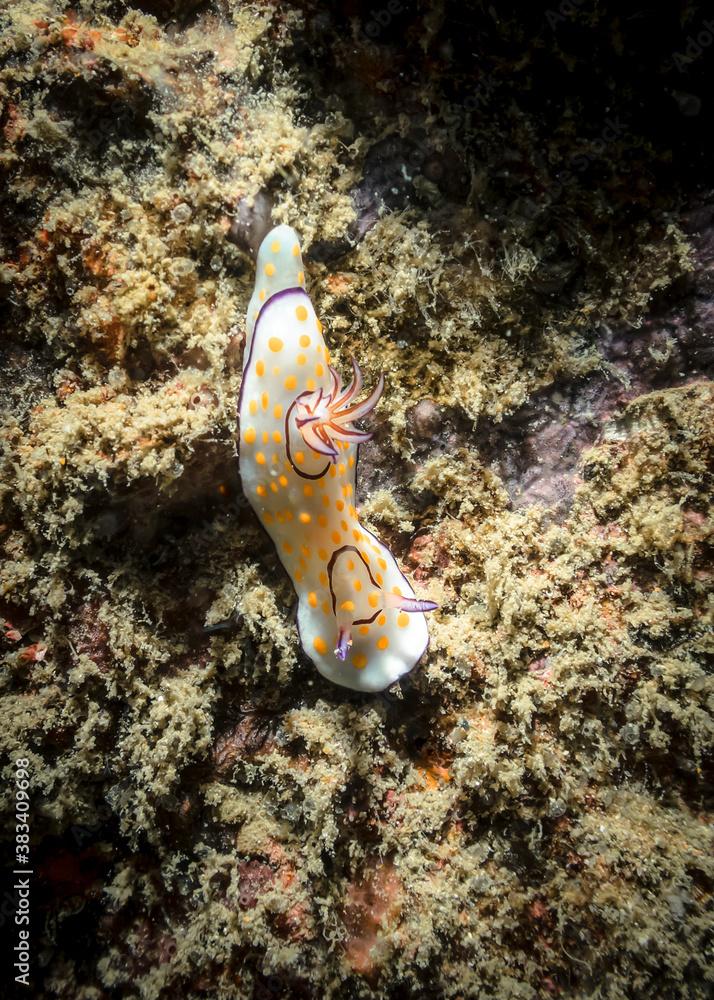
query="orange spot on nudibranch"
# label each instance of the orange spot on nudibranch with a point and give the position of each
(269, 270)
(320, 644)
(260, 368)
(260, 458)
(304, 340)
(359, 660)
(249, 435)
(275, 344)
(290, 382)
(402, 619)
(382, 642)
(312, 599)
(275, 246)
(304, 517)
(301, 313)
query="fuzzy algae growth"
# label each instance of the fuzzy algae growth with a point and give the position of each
(528, 816)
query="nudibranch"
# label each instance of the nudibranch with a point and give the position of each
(358, 618)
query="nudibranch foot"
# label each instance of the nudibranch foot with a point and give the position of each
(358, 618)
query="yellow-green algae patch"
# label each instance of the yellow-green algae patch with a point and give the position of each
(104, 439)
(527, 817)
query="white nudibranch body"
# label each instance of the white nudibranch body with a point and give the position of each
(358, 618)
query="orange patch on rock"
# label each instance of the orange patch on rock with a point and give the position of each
(78, 35)
(433, 775)
(14, 127)
(339, 284)
(95, 261)
(372, 911)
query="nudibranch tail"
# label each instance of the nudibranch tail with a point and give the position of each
(358, 617)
